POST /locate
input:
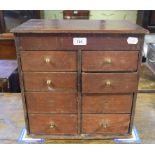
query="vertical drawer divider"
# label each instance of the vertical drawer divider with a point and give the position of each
(79, 83)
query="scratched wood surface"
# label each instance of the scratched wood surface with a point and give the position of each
(89, 26)
(105, 35)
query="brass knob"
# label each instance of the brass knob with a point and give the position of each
(48, 82)
(104, 124)
(108, 82)
(47, 60)
(107, 61)
(52, 125)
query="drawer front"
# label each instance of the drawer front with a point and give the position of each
(109, 82)
(51, 102)
(109, 60)
(105, 123)
(37, 81)
(52, 124)
(65, 42)
(48, 61)
(107, 103)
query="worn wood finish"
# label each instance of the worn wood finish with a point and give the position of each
(48, 61)
(63, 124)
(109, 61)
(37, 81)
(51, 102)
(105, 123)
(79, 89)
(22, 86)
(91, 96)
(109, 82)
(79, 26)
(83, 136)
(135, 94)
(107, 103)
(65, 42)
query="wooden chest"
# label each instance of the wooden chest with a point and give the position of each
(79, 78)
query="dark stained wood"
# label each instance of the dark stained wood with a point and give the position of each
(65, 42)
(119, 82)
(152, 19)
(52, 102)
(58, 61)
(2, 23)
(37, 81)
(7, 49)
(76, 14)
(105, 123)
(120, 60)
(145, 18)
(64, 124)
(107, 103)
(78, 26)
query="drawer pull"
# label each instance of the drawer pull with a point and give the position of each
(104, 124)
(52, 125)
(108, 83)
(47, 60)
(48, 82)
(107, 61)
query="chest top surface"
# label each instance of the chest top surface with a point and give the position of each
(79, 26)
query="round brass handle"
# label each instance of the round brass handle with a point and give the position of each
(47, 60)
(108, 61)
(48, 82)
(52, 125)
(104, 124)
(108, 82)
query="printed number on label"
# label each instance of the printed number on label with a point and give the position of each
(79, 41)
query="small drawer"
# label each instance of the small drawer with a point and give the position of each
(109, 82)
(52, 124)
(105, 123)
(51, 102)
(96, 103)
(48, 61)
(109, 60)
(65, 42)
(55, 81)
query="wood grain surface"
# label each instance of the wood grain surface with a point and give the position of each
(48, 61)
(65, 42)
(51, 102)
(109, 61)
(118, 82)
(78, 26)
(87, 91)
(107, 103)
(64, 124)
(105, 123)
(60, 81)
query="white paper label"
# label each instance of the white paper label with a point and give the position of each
(132, 40)
(79, 41)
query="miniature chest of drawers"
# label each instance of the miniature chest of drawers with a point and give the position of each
(79, 78)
